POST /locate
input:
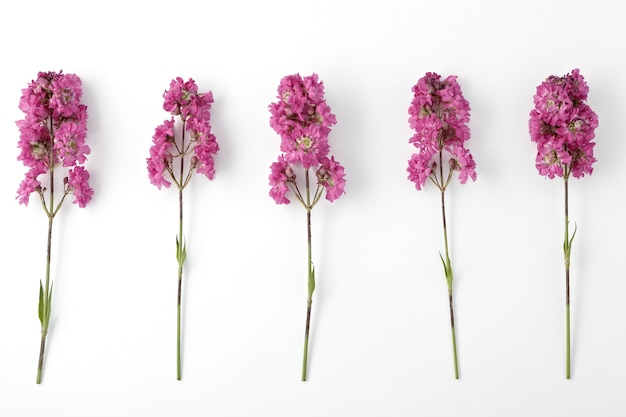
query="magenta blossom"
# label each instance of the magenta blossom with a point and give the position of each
(281, 177)
(303, 119)
(193, 109)
(563, 126)
(53, 132)
(78, 182)
(439, 115)
(331, 176)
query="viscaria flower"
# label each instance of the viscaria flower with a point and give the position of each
(176, 154)
(52, 143)
(439, 114)
(562, 125)
(303, 119)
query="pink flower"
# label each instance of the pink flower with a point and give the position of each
(78, 184)
(463, 162)
(419, 169)
(280, 176)
(70, 143)
(439, 115)
(66, 93)
(205, 146)
(563, 126)
(53, 131)
(29, 184)
(182, 99)
(303, 119)
(160, 157)
(331, 176)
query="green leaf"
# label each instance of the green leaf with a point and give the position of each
(445, 268)
(312, 280)
(573, 234)
(183, 255)
(181, 252)
(41, 304)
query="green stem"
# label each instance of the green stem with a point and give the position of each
(180, 259)
(311, 280)
(456, 362)
(46, 308)
(45, 301)
(568, 248)
(449, 279)
(180, 254)
(178, 372)
(305, 355)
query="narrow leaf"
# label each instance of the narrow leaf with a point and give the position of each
(41, 305)
(445, 268)
(312, 281)
(573, 234)
(183, 254)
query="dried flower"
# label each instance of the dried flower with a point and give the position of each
(439, 115)
(303, 119)
(563, 127)
(174, 157)
(52, 138)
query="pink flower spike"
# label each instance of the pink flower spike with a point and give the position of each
(563, 126)
(302, 119)
(439, 114)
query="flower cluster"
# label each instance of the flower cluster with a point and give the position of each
(52, 134)
(563, 125)
(193, 108)
(303, 119)
(439, 115)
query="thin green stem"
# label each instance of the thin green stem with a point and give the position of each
(45, 301)
(311, 279)
(447, 264)
(456, 362)
(178, 370)
(305, 355)
(567, 248)
(45, 307)
(445, 227)
(180, 256)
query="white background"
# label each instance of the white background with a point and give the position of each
(380, 333)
